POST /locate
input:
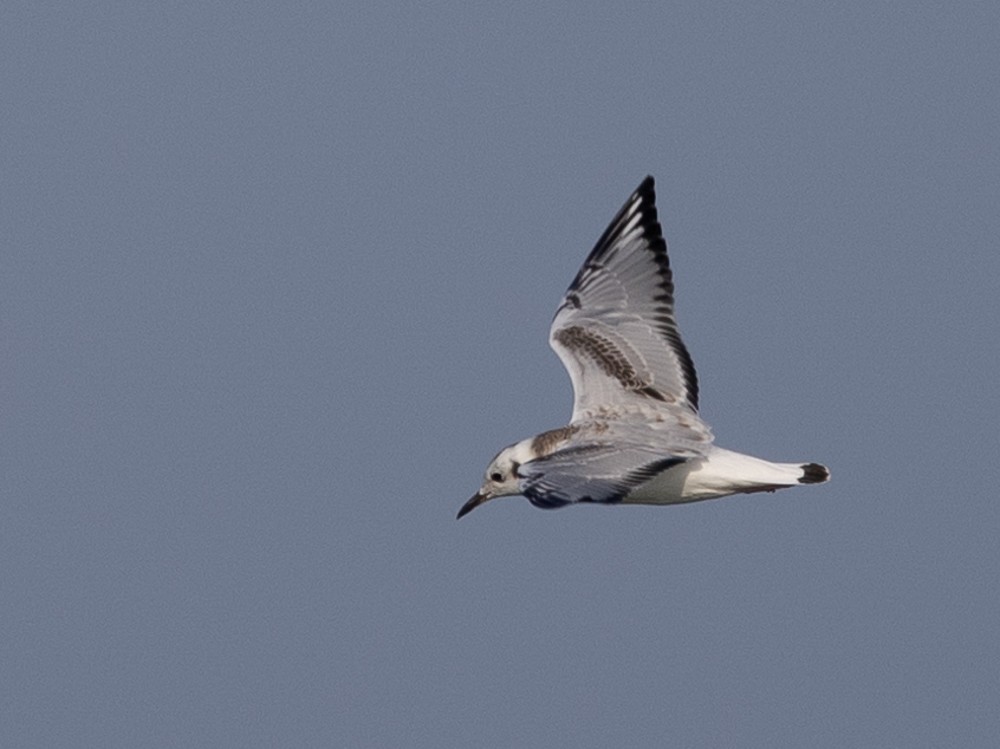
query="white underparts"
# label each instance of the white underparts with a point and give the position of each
(719, 474)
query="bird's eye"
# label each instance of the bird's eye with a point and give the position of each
(496, 476)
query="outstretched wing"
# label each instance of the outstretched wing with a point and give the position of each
(615, 329)
(592, 472)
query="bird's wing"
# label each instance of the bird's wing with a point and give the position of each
(592, 472)
(615, 329)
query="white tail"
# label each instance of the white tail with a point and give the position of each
(726, 472)
(721, 473)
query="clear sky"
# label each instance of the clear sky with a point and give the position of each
(276, 285)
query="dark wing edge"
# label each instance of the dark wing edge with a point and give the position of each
(643, 203)
(549, 485)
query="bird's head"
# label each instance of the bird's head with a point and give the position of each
(502, 478)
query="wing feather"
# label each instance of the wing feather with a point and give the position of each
(592, 472)
(615, 330)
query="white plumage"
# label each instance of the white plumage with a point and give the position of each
(635, 436)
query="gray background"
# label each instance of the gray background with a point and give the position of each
(276, 285)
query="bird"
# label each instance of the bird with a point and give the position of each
(635, 436)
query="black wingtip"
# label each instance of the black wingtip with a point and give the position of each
(646, 191)
(814, 473)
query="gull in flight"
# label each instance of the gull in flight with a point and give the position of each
(635, 436)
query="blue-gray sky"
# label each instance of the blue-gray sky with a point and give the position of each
(276, 285)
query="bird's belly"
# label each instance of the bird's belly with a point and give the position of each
(685, 482)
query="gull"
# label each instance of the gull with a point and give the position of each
(635, 436)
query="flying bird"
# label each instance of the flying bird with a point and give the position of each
(635, 436)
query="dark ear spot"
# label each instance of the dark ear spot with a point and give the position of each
(514, 465)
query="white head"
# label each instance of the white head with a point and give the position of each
(502, 478)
